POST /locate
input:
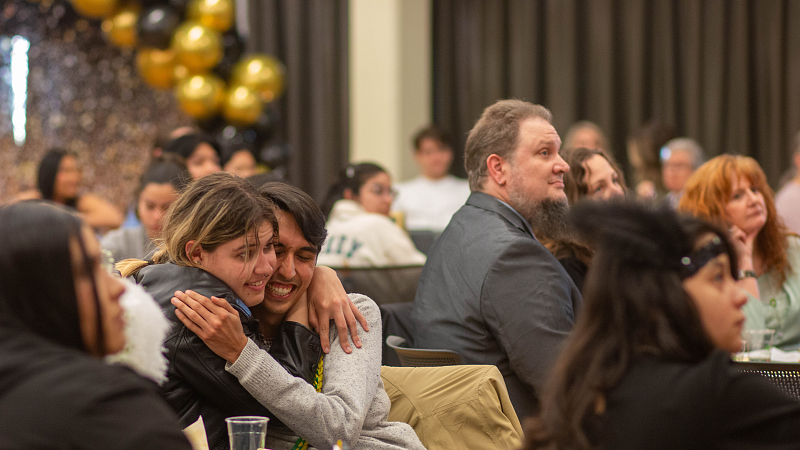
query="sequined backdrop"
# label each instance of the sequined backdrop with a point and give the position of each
(83, 95)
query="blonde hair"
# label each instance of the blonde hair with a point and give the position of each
(212, 211)
(709, 189)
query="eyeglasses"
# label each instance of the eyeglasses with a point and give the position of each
(380, 191)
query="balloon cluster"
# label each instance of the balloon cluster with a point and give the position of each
(190, 46)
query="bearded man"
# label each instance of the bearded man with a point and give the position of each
(489, 290)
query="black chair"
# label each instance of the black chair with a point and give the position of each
(417, 357)
(396, 320)
(785, 376)
(383, 285)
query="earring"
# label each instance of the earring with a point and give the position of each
(197, 262)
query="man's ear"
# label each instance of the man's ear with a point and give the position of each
(194, 252)
(348, 194)
(498, 169)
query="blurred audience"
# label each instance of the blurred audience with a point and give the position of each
(733, 191)
(429, 201)
(787, 202)
(680, 157)
(60, 314)
(360, 232)
(159, 186)
(200, 151)
(241, 162)
(586, 134)
(594, 176)
(59, 180)
(648, 363)
(644, 156)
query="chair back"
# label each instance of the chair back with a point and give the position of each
(785, 376)
(417, 357)
(383, 285)
(454, 407)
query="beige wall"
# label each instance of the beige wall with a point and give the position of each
(390, 80)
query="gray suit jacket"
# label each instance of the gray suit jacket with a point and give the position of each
(491, 292)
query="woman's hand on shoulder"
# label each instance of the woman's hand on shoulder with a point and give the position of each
(214, 321)
(328, 300)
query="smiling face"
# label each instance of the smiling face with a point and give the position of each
(240, 264)
(536, 168)
(746, 207)
(154, 202)
(296, 259)
(68, 180)
(376, 195)
(109, 292)
(719, 300)
(602, 181)
(203, 161)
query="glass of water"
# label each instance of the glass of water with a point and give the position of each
(247, 432)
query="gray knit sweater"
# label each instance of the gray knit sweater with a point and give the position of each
(352, 406)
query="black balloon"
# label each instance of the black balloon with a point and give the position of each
(156, 25)
(267, 123)
(233, 47)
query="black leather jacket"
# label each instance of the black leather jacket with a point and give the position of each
(197, 382)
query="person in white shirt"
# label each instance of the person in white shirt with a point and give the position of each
(428, 201)
(360, 232)
(787, 201)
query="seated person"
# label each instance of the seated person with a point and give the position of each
(60, 314)
(592, 175)
(240, 162)
(732, 191)
(218, 240)
(586, 134)
(490, 291)
(648, 364)
(347, 400)
(787, 200)
(360, 232)
(159, 186)
(429, 201)
(680, 157)
(59, 181)
(200, 151)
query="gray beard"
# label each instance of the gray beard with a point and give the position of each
(548, 217)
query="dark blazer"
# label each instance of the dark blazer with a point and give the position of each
(491, 292)
(197, 383)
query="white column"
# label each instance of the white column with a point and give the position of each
(390, 80)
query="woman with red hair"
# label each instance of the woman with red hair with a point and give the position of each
(732, 190)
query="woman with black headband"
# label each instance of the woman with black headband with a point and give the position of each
(648, 364)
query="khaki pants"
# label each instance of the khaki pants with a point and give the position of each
(453, 407)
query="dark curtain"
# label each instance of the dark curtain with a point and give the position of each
(310, 37)
(725, 72)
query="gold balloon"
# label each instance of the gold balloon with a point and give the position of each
(242, 106)
(215, 14)
(95, 9)
(200, 95)
(181, 72)
(197, 47)
(156, 67)
(261, 73)
(121, 27)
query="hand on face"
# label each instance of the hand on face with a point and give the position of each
(746, 207)
(109, 290)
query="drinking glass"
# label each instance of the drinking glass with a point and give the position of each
(759, 344)
(247, 432)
